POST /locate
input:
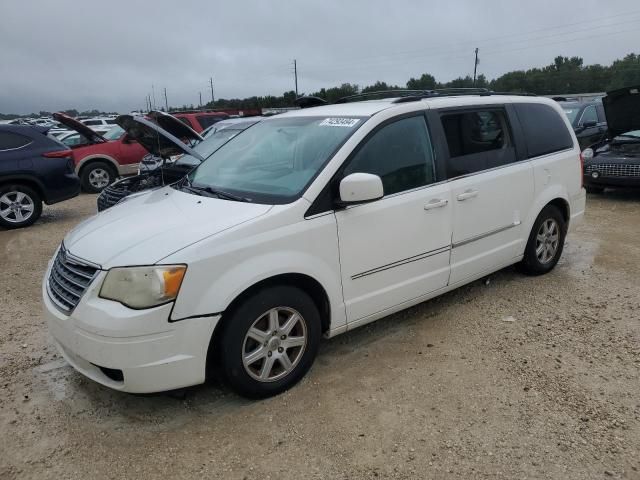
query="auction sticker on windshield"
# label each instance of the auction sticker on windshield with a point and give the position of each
(339, 122)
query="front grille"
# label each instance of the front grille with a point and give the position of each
(125, 187)
(68, 280)
(110, 196)
(614, 169)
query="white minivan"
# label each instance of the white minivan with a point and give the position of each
(309, 224)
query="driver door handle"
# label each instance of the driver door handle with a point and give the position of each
(467, 194)
(436, 203)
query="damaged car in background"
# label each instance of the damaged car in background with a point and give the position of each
(100, 159)
(615, 161)
(169, 158)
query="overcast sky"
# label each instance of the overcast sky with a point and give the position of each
(85, 54)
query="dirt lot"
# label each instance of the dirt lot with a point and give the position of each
(447, 389)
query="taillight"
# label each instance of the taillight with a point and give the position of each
(581, 171)
(58, 154)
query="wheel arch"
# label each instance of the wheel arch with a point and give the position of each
(98, 157)
(308, 284)
(564, 208)
(26, 181)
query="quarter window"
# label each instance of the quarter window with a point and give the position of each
(545, 131)
(400, 154)
(10, 140)
(477, 140)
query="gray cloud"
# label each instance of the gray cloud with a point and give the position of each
(74, 54)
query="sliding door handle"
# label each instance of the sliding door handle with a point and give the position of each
(467, 194)
(436, 203)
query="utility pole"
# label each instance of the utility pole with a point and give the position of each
(213, 99)
(475, 68)
(166, 103)
(153, 91)
(295, 74)
(200, 93)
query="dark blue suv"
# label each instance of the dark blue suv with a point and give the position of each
(33, 169)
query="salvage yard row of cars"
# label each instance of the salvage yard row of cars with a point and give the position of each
(233, 250)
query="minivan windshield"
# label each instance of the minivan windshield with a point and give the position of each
(212, 143)
(274, 160)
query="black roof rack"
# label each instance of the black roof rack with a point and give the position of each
(415, 95)
(309, 101)
(380, 94)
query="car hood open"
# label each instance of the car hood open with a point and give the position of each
(155, 139)
(151, 225)
(174, 126)
(81, 128)
(622, 108)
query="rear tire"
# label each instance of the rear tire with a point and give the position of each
(20, 206)
(545, 243)
(269, 342)
(96, 176)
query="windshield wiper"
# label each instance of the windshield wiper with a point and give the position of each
(200, 189)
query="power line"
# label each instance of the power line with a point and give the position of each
(393, 59)
(464, 45)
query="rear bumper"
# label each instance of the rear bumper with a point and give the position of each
(136, 351)
(67, 187)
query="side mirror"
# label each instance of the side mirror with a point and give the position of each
(589, 124)
(360, 188)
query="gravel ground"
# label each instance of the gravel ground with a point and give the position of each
(511, 377)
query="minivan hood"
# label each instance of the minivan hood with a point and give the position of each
(81, 128)
(154, 224)
(622, 109)
(153, 138)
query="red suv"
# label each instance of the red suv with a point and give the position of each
(200, 120)
(104, 157)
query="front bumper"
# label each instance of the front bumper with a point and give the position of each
(136, 351)
(604, 181)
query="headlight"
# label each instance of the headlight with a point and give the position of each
(143, 287)
(587, 154)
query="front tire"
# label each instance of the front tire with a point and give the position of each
(545, 243)
(269, 342)
(97, 176)
(20, 206)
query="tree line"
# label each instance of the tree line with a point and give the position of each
(563, 76)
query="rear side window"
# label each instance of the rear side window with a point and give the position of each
(208, 120)
(10, 140)
(477, 140)
(93, 122)
(544, 129)
(399, 153)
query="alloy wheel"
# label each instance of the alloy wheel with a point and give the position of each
(274, 344)
(547, 241)
(16, 206)
(99, 178)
